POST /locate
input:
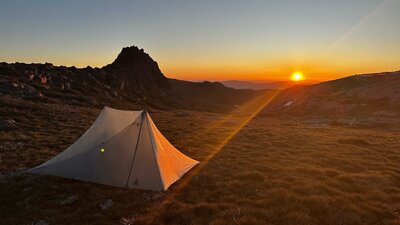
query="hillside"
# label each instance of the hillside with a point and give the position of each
(363, 99)
(210, 95)
(240, 84)
(133, 80)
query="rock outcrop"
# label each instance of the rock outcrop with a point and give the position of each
(133, 77)
(133, 80)
(136, 70)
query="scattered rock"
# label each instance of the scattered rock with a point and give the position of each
(106, 204)
(43, 79)
(378, 122)
(14, 84)
(320, 126)
(40, 222)
(134, 219)
(346, 122)
(24, 137)
(7, 123)
(11, 146)
(69, 200)
(289, 103)
(385, 114)
(317, 121)
(134, 78)
(150, 196)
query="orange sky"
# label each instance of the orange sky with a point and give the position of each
(210, 40)
(313, 68)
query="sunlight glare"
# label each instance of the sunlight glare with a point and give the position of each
(297, 76)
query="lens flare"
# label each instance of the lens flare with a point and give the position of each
(249, 111)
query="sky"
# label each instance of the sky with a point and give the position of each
(209, 40)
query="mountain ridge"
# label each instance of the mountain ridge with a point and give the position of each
(241, 84)
(132, 80)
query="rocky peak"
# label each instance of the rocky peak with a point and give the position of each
(131, 55)
(133, 69)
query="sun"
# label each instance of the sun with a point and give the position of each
(297, 76)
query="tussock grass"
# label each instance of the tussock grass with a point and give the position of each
(274, 171)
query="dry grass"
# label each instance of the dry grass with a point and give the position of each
(274, 171)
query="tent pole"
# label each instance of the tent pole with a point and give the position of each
(137, 144)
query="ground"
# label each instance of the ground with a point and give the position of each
(261, 170)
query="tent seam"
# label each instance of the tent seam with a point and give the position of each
(154, 154)
(136, 149)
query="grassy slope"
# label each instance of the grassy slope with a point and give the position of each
(274, 171)
(211, 96)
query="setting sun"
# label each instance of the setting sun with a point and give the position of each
(297, 76)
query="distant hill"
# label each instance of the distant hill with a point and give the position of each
(210, 95)
(239, 84)
(133, 80)
(365, 94)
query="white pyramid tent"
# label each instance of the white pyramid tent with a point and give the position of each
(122, 149)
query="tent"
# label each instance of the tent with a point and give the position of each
(122, 149)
